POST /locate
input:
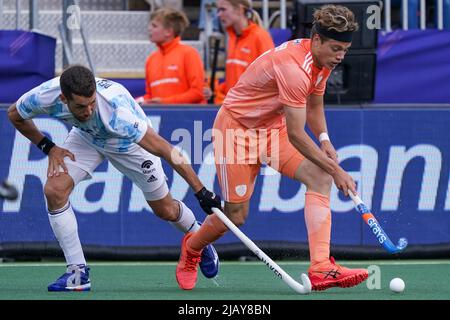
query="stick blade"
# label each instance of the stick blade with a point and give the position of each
(306, 283)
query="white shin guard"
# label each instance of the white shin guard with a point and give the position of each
(65, 228)
(186, 221)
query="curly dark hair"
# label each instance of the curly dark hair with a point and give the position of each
(79, 80)
(334, 17)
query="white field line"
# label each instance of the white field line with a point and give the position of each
(228, 263)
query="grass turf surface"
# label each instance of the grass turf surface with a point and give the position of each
(425, 280)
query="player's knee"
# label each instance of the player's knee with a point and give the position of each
(324, 179)
(237, 215)
(56, 193)
(319, 179)
(168, 211)
(238, 221)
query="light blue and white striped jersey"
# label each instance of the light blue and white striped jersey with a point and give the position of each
(118, 121)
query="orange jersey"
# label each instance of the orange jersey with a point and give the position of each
(243, 50)
(174, 73)
(283, 76)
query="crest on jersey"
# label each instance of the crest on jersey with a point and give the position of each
(241, 190)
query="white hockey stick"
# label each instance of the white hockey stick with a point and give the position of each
(280, 273)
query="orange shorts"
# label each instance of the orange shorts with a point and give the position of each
(239, 153)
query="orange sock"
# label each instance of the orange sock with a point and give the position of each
(318, 223)
(211, 230)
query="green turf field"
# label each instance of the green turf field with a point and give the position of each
(425, 280)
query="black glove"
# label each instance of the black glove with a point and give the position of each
(8, 191)
(208, 200)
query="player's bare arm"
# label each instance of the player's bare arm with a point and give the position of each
(295, 122)
(154, 143)
(56, 154)
(315, 118)
(25, 127)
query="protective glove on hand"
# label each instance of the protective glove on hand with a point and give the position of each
(208, 200)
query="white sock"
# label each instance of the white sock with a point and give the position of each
(186, 221)
(65, 228)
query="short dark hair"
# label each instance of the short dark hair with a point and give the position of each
(77, 80)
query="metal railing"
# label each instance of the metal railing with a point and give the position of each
(409, 10)
(268, 19)
(413, 14)
(64, 31)
(33, 14)
(72, 7)
(1, 14)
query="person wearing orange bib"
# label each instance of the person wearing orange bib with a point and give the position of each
(247, 39)
(174, 73)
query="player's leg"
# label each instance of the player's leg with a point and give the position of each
(323, 272)
(317, 209)
(182, 218)
(146, 171)
(62, 218)
(171, 210)
(236, 181)
(194, 244)
(213, 228)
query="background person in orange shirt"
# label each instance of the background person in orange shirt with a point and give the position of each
(247, 39)
(174, 73)
(262, 120)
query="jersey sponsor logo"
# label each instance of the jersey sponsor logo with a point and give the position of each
(245, 50)
(172, 67)
(146, 166)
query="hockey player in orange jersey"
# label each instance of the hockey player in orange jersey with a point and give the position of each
(278, 94)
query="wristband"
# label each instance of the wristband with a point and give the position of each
(324, 136)
(45, 145)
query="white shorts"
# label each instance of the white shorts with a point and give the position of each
(140, 166)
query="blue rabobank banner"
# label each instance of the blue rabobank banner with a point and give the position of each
(399, 158)
(410, 67)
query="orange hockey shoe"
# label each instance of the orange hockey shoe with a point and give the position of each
(186, 272)
(333, 275)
